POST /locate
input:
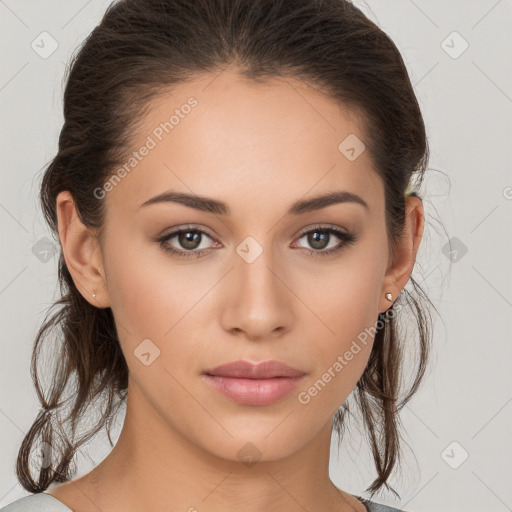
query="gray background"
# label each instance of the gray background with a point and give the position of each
(458, 425)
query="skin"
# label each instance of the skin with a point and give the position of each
(259, 148)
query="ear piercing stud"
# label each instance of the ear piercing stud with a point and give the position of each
(93, 295)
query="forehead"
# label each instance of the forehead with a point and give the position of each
(247, 144)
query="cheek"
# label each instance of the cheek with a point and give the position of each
(350, 298)
(348, 306)
(148, 293)
(154, 299)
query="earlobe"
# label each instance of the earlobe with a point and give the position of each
(81, 252)
(399, 273)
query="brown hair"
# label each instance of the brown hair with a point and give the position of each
(138, 51)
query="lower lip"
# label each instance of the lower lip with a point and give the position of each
(254, 391)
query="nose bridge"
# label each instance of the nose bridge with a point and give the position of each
(259, 303)
(254, 268)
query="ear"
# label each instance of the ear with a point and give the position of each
(82, 252)
(402, 264)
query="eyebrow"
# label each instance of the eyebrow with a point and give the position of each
(215, 206)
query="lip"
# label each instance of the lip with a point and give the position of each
(254, 384)
(248, 370)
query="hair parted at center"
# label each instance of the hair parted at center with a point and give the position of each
(139, 51)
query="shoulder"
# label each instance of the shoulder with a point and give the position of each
(375, 507)
(39, 502)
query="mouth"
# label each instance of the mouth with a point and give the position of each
(254, 384)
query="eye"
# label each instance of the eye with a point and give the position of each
(189, 238)
(319, 238)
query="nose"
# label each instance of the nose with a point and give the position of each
(259, 302)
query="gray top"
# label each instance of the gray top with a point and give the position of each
(39, 502)
(42, 502)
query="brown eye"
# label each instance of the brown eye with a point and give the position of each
(319, 238)
(188, 240)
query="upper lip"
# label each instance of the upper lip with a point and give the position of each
(248, 370)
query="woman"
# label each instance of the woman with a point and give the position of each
(233, 199)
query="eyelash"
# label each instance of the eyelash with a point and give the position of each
(347, 239)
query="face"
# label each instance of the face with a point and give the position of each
(251, 280)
